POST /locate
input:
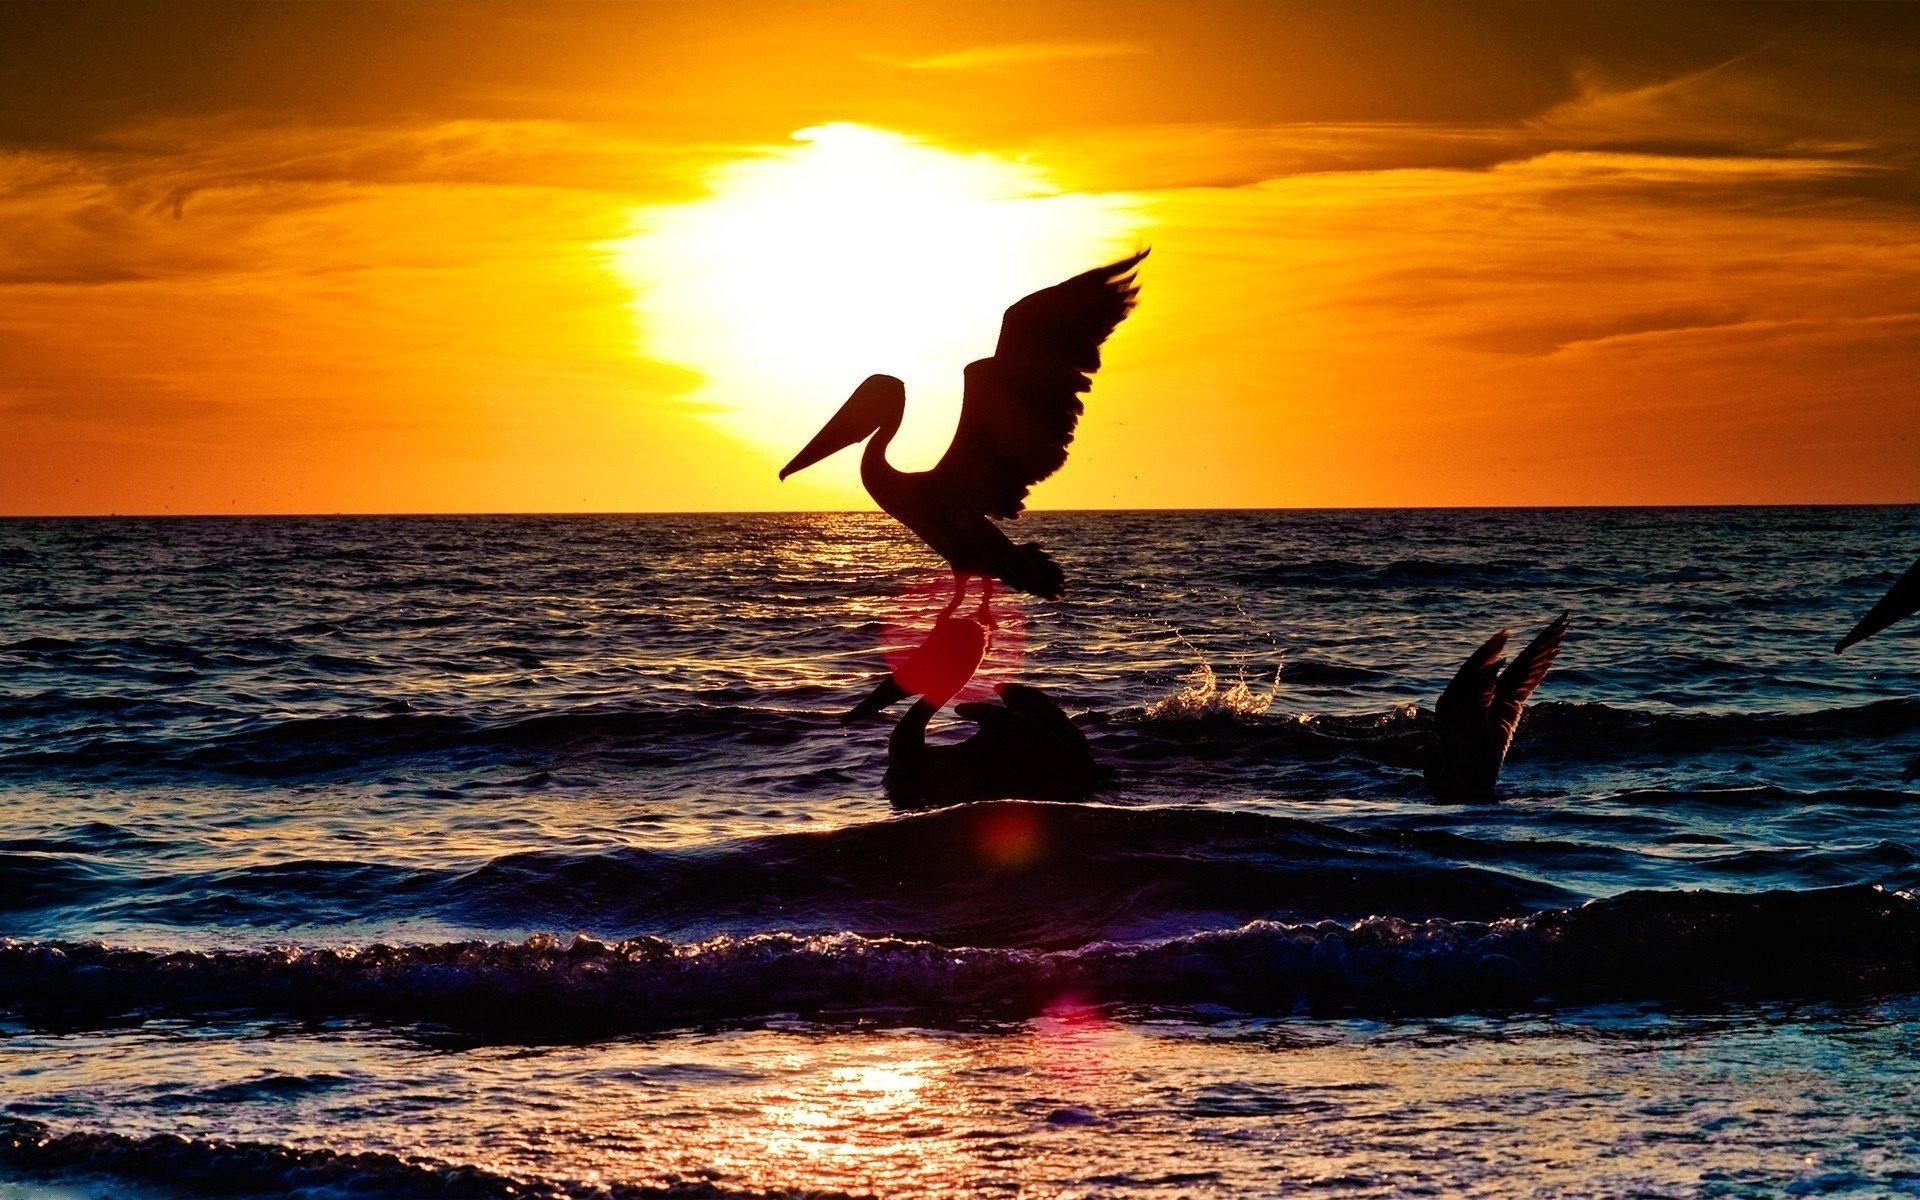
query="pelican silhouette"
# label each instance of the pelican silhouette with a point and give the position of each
(1901, 600)
(937, 668)
(1025, 749)
(1475, 718)
(1017, 417)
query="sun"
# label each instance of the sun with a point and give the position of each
(851, 251)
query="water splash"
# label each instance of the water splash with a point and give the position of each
(1201, 697)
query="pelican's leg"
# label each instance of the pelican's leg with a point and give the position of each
(984, 614)
(959, 594)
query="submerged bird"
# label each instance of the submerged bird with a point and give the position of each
(937, 668)
(1475, 718)
(1017, 416)
(1025, 749)
(1901, 600)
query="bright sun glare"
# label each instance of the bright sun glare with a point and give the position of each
(855, 250)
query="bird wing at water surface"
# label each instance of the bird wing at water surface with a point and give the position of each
(1521, 677)
(1901, 600)
(1461, 712)
(1021, 406)
(1475, 718)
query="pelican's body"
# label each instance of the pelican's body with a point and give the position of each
(1475, 718)
(1016, 420)
(1025, 749)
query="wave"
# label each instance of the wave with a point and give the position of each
(1348, 575)
(278, 749)
(160, 736)
(998, 873)
(1659, 946)
(211, 1166)
(1576, 729)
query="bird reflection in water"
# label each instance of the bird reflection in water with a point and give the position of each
(937, 669)
(1024, 745)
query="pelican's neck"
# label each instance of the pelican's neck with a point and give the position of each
(873, 459)
(905, 778)
(909, 737)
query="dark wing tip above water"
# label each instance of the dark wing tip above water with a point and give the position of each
(1524, 674)
(1901, 600)
(1472, 689)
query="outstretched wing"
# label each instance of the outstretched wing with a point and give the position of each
(1020, 407)
(1460, 715)
(1517, 682)
(1902, 600)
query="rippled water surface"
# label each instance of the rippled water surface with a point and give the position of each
(299, 821)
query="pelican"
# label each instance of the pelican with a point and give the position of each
(1475, 718)
(1017, 416)
(1901, 600)
(1025, 749)
(937, 669)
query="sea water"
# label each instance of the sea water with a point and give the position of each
(528, 856)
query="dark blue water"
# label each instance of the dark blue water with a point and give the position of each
(236, 754)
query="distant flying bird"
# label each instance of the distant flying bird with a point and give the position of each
(1475, 718)
(1017, 417)
(1025, 749)
(937, 668)
(1902, 600)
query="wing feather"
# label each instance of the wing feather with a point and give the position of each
(1517, 682)
(1020, 407)
(1471, 692)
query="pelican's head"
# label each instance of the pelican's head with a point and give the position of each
(880, 399)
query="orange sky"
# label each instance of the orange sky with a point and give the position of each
(409, 258)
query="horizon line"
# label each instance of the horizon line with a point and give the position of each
(836, 512)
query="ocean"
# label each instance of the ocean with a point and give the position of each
(528, 856)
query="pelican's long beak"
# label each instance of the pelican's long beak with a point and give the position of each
(856, 420)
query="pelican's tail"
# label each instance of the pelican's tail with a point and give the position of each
(1030, 570)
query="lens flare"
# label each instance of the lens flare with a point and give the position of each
(1009, 836)
(914, 611)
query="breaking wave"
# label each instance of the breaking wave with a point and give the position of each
(211, 1166)
(1670, 946)
(1239, 712)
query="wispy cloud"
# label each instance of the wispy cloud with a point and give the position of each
(1019, 54)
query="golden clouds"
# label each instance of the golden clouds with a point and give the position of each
(386, 258)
